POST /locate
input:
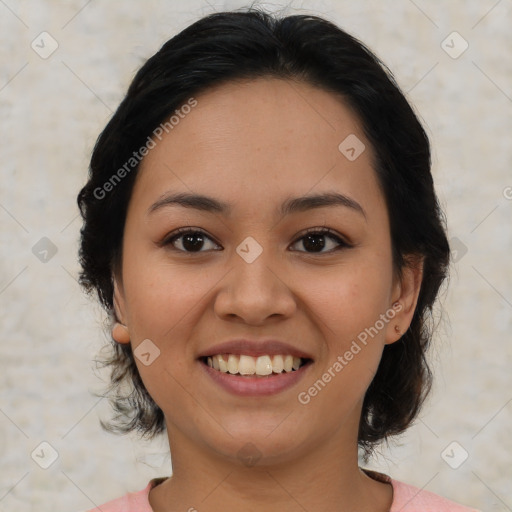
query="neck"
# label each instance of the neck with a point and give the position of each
(327, 477)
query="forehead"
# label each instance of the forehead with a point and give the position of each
(259, 140)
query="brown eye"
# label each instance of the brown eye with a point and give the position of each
(191, 240)
(314, 241)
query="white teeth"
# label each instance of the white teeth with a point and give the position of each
(233, 363)
(248, 365)
(277, 364)
(263, 365)
(223, 365)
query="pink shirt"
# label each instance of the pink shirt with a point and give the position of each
(406, 498)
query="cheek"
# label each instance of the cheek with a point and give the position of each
(162, 306)
(351, 297)
(350, 304)
(349, 308)
(162, 295)
(164, 303)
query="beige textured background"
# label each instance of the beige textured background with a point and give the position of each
(52, 110)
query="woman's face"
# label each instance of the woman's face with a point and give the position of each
(253, 272)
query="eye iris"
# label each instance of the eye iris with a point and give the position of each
(312, 242)
(193, 241)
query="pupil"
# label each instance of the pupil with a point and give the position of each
(190, 244)
(310, 244)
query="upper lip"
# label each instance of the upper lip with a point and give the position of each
(255, 348)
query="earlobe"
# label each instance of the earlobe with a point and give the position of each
(120, 331)
(408, 293)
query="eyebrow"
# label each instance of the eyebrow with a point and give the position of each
(290, 206)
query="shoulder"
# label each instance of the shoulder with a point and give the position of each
(408, 498)
(131, 502)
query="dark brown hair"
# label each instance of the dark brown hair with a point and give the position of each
(227, 46)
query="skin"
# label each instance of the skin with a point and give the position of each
(254, 144)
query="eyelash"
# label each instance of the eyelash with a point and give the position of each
(169, 240)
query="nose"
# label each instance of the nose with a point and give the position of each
(254, 291)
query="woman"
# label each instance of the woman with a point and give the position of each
(261, 223)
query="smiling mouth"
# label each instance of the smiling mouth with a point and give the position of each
(249, 366)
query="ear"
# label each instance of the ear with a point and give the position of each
(406, 292)
(120, 331)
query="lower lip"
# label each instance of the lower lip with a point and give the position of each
(256, 386)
